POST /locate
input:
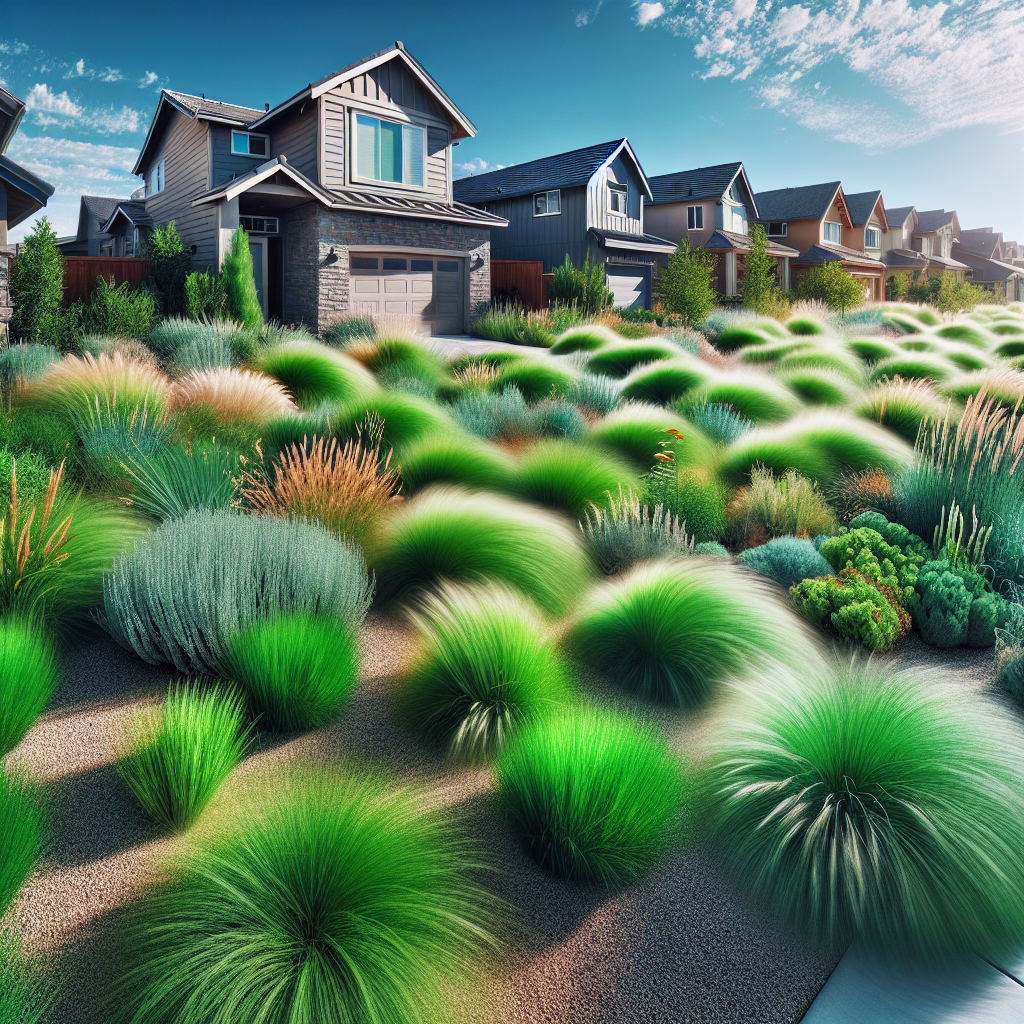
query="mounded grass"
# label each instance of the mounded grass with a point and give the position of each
(594, 394)
(175, 479)
(618, 360)
(1006, 349)
(295, 428)
(870, 350)
(965, 333)
(927, 317)
(537, 379)
(769, 507)
(177, 755)
(805, 325)
(487, 667)
(673, 631)
(770, 352)
(902, 322)
(587, 338)
(454, 459)
(666, 382)
(786, 560)
(230, 394)
(758, 397)
(721, 423)
(967, 357)
(820, 387)
(448, 534)
(833, 358)
(636, 432)
(902, 406)
(879, 807)
(298, 671)
(1005, 384)
(570, 477)
(23, 836)
(1007, 328)
(924, 366)
(407, 419)
(26, 362)
(594, 795)
(399, 357)
(917, 344)
(26, 994)
(741, 336)
(331, 899)
(28, 679)
(314, 374)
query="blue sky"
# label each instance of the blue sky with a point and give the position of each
(924, 100)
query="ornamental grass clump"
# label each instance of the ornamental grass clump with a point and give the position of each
(455, 459)
(585, 338)
(882, 808)
(487, 667)
(297, 671)
(902, 406)
(755, 395)
(666, 381)
(597, 395)
(333, 898)
(619, 360)
(448, 534)
(914, 365)
(536, 379)
(176, 478)
(594, 795)
(230, 394)
(176, 756)
(637, 432)
(673, 630)
(721, 423)
(786, 560)
(25, 994)
(28, 679)
(190, 585)
(111, 431)
(313, 373)
(406, 419)
(768, 507)
(23, 836)
(20, 364)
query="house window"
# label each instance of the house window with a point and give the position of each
(259, 225)
(386, 151)
(156, 180)
(778, 228)
(694, 218)
(547, 204)
(872, 238)
(448, 266)
(421, 264)
(247, 144)
(617, 196)
(392, 263)
(833, 231)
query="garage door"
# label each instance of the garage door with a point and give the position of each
(426, 289)
(630, 285)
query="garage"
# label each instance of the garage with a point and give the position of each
(630, 285)
(428, 288)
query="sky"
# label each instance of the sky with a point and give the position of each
(923, 100)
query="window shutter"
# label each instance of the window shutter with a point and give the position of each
(412, 156)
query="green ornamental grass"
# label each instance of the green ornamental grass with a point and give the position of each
(407, 419)
(870, 350)
(28, 679)
(535, 378)
(911, 366)
(455, 459)
(298, 671)
(803, 325)
(965, 333)
(819, 387)
(176, 756)
(176, 479)
(595, 795)
(23, 835)
(315, 374)
(879, 807)
(334, 899)
(487, 667)
(619, 360)
(583, 339)
(637, 432)
(826, 357)
(758, 397)
(25, 994)
(665, 381)
(25, 362)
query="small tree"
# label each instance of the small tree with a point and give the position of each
(586, 289)
(831, 284)
(37, 289)
(684, 287)
(759, 279)
(171, 264)
(240, 283)
(896, 287)
(957, 296)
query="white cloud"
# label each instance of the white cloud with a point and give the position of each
(148, 79)
(26, 148)
(111, 75)
(42, 98)
(77, 70)
(114, 122)
(476, 166)
(646, 13)
(587, 14)
(106, 120)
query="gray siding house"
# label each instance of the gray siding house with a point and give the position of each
(108, 227)
(345, 190)
(21, 193)
(588, 202)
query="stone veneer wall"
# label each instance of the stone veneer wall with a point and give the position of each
(6, 309)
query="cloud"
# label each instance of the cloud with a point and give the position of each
(26, 148)
(106, 120)
(646, 13)
(114, 122)
(111, 75)
(587, 14)
(476, 166)
(77, 70)
(13, 47)
(148, 79)
(43, 99)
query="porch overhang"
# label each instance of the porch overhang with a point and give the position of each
(622, 242)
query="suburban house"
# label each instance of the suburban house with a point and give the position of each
(585, 203)
(108, 227)
(983, 250)
(813, 219)
(713, 207)
(344, 189)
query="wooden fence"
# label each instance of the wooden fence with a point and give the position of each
(80, 273)
(519, 281)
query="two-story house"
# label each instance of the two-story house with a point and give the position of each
(921, 242)
(983, 250)
(714, 207)
(344, 189)
(585, 203)
(108, 227)
(813, 219)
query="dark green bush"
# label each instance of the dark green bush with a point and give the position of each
(119, 310)
(37, 292)
(865, 550)
(585, 289)
(171, 263)
(957, 606)
(850, 607)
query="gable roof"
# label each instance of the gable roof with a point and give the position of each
(862, 204)
(12, 110)
(100, 207)
(26, 193)
(831, 252)
(133, 210)
(563, 170)
(724, 240)
(898, 214)
(699, 183)
(982, 241)
(932, 220)
(808, 202)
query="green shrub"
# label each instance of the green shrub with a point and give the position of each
(348, 329)
(850, 607)
(885, 564)
(535, 378)
(619, 360)
(23, 837)
(454, 459)
(638, 433)
(298, 671)
(205, 295)
(486, 668)
(695, 498)
(684, 286)
(37, 292)
(333, 899)
(28, 679)
(176, 479)
(790, 506)
(957, 606)
(170, 602)
(243, 301)
(25, 362)
(170, 267)
(585, 289)
(832, 284)
(673, 631)
(880, 808)
(786, 560)
(1010, 647)
(177, 755)
(594, 795)
(119, 310)
(315, 374)
(529, 549)
(514, 325)
(665, 382)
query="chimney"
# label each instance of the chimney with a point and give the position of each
(266, 106)
(203, 95)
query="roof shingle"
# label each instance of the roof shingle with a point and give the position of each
(861, 205)
(699, 183)
(202, 107)
(808, 202)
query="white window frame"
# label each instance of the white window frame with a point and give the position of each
(617, 188)
(784, 233)
(353, 138)
(824, 232)
(557, 192)
(695, 213)
(155, 183)
(250, 135)
(877, 244)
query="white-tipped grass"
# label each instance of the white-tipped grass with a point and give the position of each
(968, 357)
(1003, 383)
(826, 356)
(903, 405)
(820, 387)
(919, 343)
(772, 351)
(870, 350)
(755, 395)
(585, 338)
(926, 365)
(1009, 349)
(232, 395)
(618, 360)
(666, 381)
(968, 334)
(636, 431)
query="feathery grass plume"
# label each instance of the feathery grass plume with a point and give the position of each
(721, 423)
(231, 394)
(969, 358)
(1005, 384)
(913, 365)
(28, 679)
(175, 756)
(851, 494)
(23, 835)
(170, 601)
(881, 807)
(965, 333)
(791, 506)
(569, 477)
(346, 488)
(786, 560)
(446, 533)
(1007, 328)
(870, 350)
(672, 631)
(487, 666)
(595, 795)
(21, 364)
(314, 373)
(902, 323)
(771, 351)
(636, 431)
(902, 406)
(820, 387)
(625, 532)
(1009, 348)
(665, 381)
(587, 338)
(25, 995)
(818, 445)
(918, 343)
(755, 395)
(266, 917)
(474, 377)
(177, 478)
(297, 671)
(536, 379)
(619, 360)
(455, 459)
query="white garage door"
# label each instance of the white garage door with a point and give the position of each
(426, 289)
(629, 285)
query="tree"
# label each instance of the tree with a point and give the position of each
(896, 287)
(587, 289)
(831, 284)
(957, 296)
(37, 289)
(171, 264)
(240, 283)
(759, 267)
(685, 285)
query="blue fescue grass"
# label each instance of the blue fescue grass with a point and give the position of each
(593, 394)
(594, 795)
(28, 679)
(637, 431)
(23, 836)
(720, 422)
(786, 560)
(314, 374)
(454, 459)
(25, 362)
(879, 807)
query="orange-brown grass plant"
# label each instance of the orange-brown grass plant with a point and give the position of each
(850, 494)
(232, 395)
(476, 375)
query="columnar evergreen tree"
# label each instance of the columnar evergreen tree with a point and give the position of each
(37, 288)
(240, 282)
(759, 282)
(685, 285)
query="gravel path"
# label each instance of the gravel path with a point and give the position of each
(682, 947)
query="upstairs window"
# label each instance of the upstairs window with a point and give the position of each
(617, 198)
(247, 144)
(872, 238)
(259, 225)
(833, 231)
(695, 218)
(386, 151)
(156, 180)
(778, 229)
(547, 204)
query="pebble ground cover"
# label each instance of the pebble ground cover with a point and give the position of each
(354, 682)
